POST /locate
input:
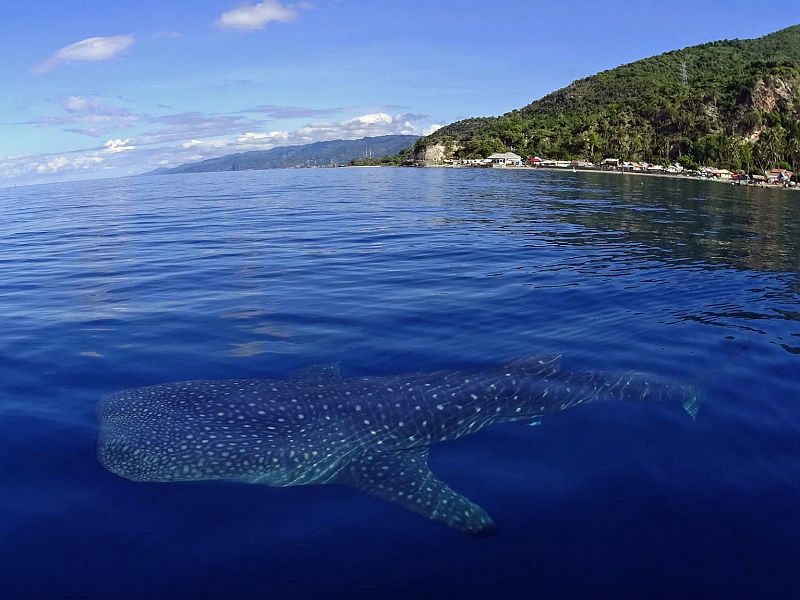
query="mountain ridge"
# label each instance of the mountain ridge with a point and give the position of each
(325, 153)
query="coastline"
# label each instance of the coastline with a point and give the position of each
(765, 186)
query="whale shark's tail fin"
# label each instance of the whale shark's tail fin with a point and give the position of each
(643, 387)
(694, 399)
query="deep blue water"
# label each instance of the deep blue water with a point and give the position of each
(115, 284)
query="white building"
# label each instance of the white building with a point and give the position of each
(506, 159)
(611, 164)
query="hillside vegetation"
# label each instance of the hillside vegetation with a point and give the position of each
(733, 103)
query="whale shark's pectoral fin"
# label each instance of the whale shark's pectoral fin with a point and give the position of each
(405, 479)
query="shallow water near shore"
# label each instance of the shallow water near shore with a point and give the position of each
(123, 283)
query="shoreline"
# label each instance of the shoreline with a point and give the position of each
(764, 186)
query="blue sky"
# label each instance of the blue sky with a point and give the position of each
(94, 88)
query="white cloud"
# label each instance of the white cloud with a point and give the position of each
(52, 165)
(256, 16)
(369, 125)
(114, 146)
(190, 137)
(273, 137)
(60, 163)
(74, 103)
(90, 49)
(204, 144)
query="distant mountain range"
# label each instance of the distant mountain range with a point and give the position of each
(318, 154)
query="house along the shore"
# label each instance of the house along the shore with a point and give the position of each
(506, 159)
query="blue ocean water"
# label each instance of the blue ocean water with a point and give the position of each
(114, 284)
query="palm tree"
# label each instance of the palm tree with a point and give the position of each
(793, 152)
(771, 147)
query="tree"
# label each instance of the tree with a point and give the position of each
(770, 147)
(591, 142)
(746, 156)
(794, 155)
(511, 132)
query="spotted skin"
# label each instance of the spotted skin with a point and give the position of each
(369, 433)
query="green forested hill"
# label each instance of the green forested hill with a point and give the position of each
(733, 103)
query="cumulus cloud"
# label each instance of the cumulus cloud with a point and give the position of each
(52, 165)
(203, 144)
(273, 138)
(13, 166)
(90, 49)
(26, 169)
(256, 16)
(60, 163)
(431, 129)
(368, 125)
(114, 146)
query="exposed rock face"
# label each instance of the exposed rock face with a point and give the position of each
(767, 93)
(431, 155)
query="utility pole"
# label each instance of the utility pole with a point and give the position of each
(684, 74)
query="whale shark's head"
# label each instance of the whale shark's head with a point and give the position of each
(140, 442)
(135, 455)
(127, 459)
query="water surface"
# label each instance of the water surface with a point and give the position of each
(114, 284)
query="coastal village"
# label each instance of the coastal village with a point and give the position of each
(510, 160)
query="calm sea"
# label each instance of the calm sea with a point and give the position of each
(132, 282)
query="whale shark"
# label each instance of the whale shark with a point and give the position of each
(372, 434)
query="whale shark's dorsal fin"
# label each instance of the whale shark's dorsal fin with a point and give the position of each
(326, 372)
(541, 365)
(404, 478)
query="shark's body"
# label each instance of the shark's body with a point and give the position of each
(369, 433)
